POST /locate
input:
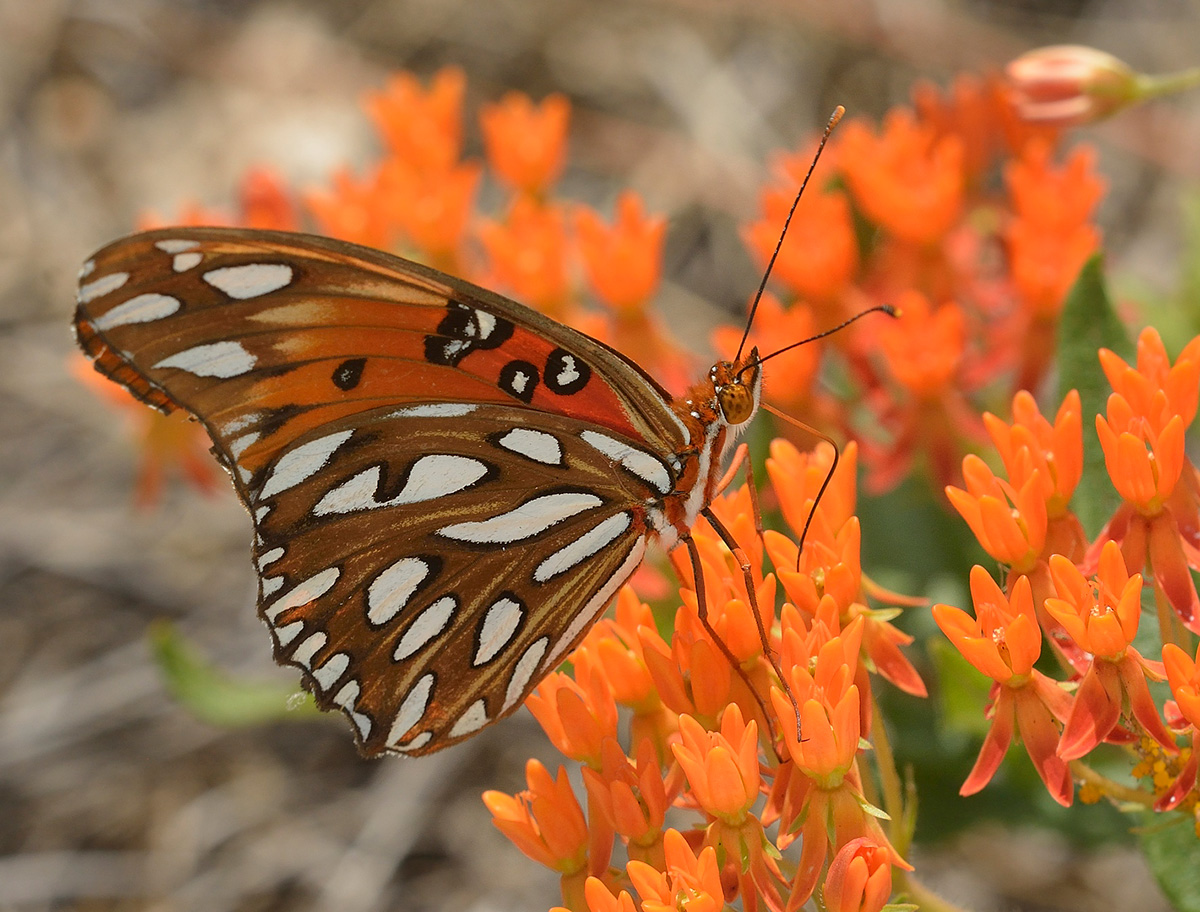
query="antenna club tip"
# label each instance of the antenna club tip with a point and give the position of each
(838, 113)
(892, 310)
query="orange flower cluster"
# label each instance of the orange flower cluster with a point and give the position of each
(979, 276)
(717, 743)
(1087, 599)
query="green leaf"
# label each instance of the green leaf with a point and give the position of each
(1173, 852)
(1088, 324)
(216, 698)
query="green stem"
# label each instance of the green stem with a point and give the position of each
(1167, 84)
(889, 778)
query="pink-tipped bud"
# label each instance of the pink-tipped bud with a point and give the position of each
(1068, 84)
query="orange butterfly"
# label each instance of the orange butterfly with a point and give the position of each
(447, 487)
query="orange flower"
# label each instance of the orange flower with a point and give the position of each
(623, 263)
(1003, 641)
(350, 210)
(721, 767)
(907, 179)
(526, 143)
(690, 881)
(1032, 445)
(1143, 442)
(1069, 84)
(1054, 197)
(1183, 674)
(528, 254)
(599, 899)
(265, 202)
(819, 255)
(422, 127)
(924, 346)
(431, 208)
(577, 714)
(633, 799)
(796, 478)
(545, 821)
(1102, 618)
(859, 879)
(1010, 523)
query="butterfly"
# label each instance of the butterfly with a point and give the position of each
(447, 488)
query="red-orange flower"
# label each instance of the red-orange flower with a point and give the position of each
(349, 209)
(1102, 618)
(1183, 674)
(691, 881)
(1009, 522)
(1003, 641)
(907, 179)
(545, 821)
(431, 208)
(623, 263)
(1143, 441)
(600, 899)
(422, 127)
(633, 799)
(859, 879)
(819, 255)
(577, 714)
(526, 143)
(528, 254)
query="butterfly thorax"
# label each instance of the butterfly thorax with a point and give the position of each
(716, 410)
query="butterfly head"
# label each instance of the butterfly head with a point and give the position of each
(738, 386)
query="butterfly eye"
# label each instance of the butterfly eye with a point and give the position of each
(737, 403)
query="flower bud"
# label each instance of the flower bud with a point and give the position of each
(1067, 84)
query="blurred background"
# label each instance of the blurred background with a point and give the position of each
(111, 795)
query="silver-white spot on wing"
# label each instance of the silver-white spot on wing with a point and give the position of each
(145, 308)
(87, 269)
(239, 445)
(289, 632)
(345, 698)
(331, 671)
(637, 462)
(497, 629)
(530, 518)
(536, 445)
(269, 557)
(470, 721)
(182, 262)
(176, 245)
(587, 545)
(390, 591)
(303, 654)
(524, 671)
(296, 465)
(429, 478)
(434, 410)
(213, 359)
(271, 584)
(97, 288)
(250, 280)
(427, 625)
(598, 602)
(416, 743)
(302, 593)
(411, 710)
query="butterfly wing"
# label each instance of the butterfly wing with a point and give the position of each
(447, 487)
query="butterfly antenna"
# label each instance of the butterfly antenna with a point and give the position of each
(879, 308)
(762, 286)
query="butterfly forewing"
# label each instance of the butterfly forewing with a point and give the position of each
(447, 487)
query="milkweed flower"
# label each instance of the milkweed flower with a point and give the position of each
(1158, 525)
(906, 178)
(526, 142)
(691, 880)
(622, 262)
(1183, 675)
(529, 254)
(860, 878)
(1003, 641)
(1102, 618)
(421, 126)
(1009, 522)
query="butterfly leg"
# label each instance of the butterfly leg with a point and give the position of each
(702, 615)
(752, 593)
